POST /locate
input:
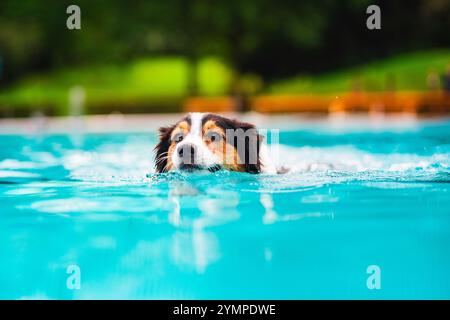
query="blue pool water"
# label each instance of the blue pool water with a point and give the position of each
(355, 197)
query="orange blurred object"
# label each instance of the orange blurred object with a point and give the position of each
(210, 104)
(381, 102)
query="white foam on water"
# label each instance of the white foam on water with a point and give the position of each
(65, 205)
(111, 162)
(13, 164)
(17, 174)
(351, 159)
(25, 191)
(131, 160)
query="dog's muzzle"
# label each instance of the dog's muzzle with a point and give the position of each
(188, 157)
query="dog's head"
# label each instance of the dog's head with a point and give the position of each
(204, 141)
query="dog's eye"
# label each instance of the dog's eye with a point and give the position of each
(178, 138)
(214, 137)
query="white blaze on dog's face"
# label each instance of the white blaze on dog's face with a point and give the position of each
(189, 149)
(203, 142)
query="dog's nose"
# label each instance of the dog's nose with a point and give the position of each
(187, 153)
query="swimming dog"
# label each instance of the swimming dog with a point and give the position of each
(210, 142)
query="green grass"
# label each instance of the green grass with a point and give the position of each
(409, 71)
(142, 82)
(159, 84)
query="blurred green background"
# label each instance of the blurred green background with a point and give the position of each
(147, 56)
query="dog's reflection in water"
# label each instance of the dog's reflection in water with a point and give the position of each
(193, 212)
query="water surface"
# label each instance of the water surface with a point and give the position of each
(354, 198)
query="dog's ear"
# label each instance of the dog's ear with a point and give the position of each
(252, 141)
(162, 149)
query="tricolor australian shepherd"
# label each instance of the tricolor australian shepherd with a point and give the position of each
(210, 142)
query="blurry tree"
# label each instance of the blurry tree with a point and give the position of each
(272, 38)
(245, 33)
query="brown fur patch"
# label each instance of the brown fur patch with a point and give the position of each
(182, 127)
(211, 125)
(164, 149)
(224, 150)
